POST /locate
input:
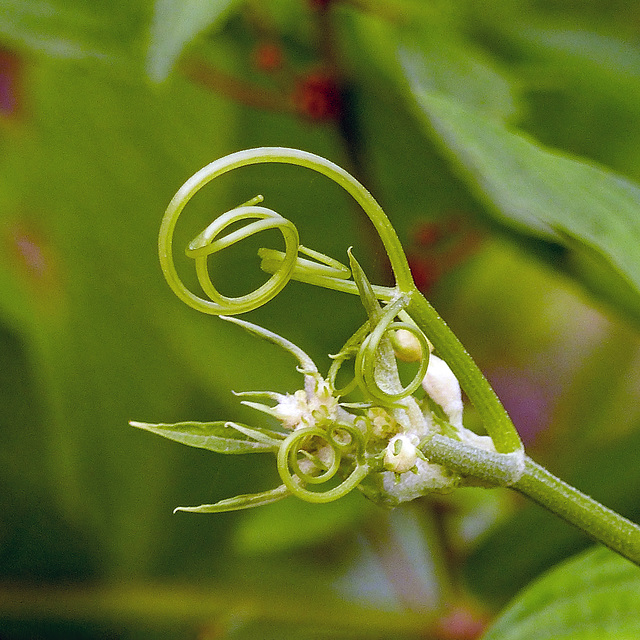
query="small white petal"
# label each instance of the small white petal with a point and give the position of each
(443, 387)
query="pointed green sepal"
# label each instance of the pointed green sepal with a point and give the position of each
(365, 289)
(307, 365)
(270, 438)
(245, 501)
(220, 437)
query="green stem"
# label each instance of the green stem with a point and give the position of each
(527, 477)
(490, 468)
(495, 417)
(602, 524)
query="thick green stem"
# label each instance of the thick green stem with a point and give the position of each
(529, 478)
(484, 399)
(602, 524)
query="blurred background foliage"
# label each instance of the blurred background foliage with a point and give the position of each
(484, 130)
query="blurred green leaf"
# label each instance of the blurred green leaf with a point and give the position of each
(425, 47)
(295, 524)
(582, 87)
(175, 24)
(440, 63)
(73, 29)
(583, 57)
(540, 192)
(221, 437)
(592, 596)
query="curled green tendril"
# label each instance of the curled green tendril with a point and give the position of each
(211, 241)
(368, 358)
(325, 272)
(313, 456)
(328, 273)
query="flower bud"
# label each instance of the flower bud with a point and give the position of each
(401, 454)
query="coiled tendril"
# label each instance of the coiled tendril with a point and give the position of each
(322, 270)
(325, 272)
(313, 456)
(368, 357)
(212, 240)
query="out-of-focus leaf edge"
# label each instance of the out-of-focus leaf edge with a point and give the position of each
(593, 595)
(608, 270)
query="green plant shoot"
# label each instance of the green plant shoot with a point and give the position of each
(392, 444)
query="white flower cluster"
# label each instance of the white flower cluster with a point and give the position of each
(306, 407)
(408, 474)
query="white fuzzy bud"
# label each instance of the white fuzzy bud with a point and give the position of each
(443, 387)
(291, 409)
(401, 454)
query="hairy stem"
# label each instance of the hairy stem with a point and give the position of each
(599, 522)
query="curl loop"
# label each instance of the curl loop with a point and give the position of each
(373, 353)
(211, 241)
(313, 456)
(367, 359)
(330, 273)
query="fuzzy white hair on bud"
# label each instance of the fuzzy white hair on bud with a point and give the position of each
(401, 453)
(443, 387)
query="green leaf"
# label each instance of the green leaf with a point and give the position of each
(439, 63)
(432, 51)
(175, 23)
(245, 501)
(544, 193)
(221, 437)
(592, 597)
(71, 29)
(580, 56)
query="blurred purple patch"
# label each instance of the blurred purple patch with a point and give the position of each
(34, 261)
(10, 74)
(528, 398)
(30, 253)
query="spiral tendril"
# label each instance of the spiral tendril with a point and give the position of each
(313, 456)
(324, 272)
(369, 357)
(283, 265)
(209, 242)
